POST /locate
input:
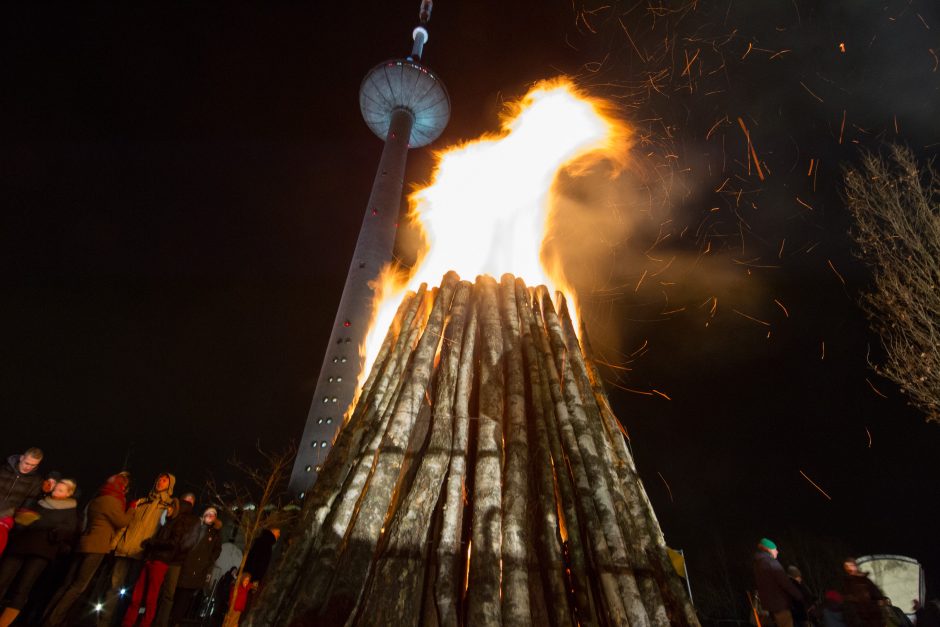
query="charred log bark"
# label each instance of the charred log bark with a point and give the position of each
(481, 479)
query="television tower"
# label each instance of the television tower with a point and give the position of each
(407, 106)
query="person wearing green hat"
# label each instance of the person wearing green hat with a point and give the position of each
(776, 590)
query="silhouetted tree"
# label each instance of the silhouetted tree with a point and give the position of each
(894, 201)
(257, 500)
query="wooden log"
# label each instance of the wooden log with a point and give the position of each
(395, 596)
(545, 516)
(483, 592)
(319, 499)
(381, 497)
(578, 557)
(631, 518)
(678, 606)
(515, 541)
(310, 592)
(451, 552)
(602, 564)
(594, 466)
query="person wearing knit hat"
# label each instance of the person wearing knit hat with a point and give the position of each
(803, 612)
(197, 567)
(776, 590)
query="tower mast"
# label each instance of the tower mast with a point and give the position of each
(406, 105)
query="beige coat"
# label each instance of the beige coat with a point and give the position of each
(146, 518)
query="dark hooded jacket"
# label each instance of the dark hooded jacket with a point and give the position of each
(259, 557)
(775, 588)
(862, 598)
(199, 561)
(51, 533)
(176, 538)
(16, 488)
(147, 514)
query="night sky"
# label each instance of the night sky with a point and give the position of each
(183, 184)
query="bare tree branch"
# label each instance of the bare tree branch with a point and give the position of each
(258, 502)
(896, 205)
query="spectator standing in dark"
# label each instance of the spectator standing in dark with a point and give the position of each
(863, 599)
(832, 605)
(51, 528)
(259, 557)
(19, 482)
(803, 611)
(776, 590)
(159, 552)
(222, 595)
(147, 515)
(187, 524)
(198, 565)
(895, 616)
(106, 516)
(241, 592)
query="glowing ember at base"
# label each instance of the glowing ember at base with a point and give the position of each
(482, 423)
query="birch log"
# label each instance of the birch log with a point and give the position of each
(383, 489)
(452, 551)
(515, 532)
(396, 590)
(483, 585)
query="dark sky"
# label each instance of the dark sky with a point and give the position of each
(182, 187)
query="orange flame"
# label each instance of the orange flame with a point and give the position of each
(489, 204)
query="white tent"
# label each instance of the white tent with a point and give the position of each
(900, 578)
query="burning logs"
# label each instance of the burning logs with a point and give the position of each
(481, 479)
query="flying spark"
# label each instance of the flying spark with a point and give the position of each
(815, 485)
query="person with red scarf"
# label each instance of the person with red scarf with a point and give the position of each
(106, 516)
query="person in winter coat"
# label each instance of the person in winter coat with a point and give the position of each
(19, 482)
(147, 515)
(832, 610)
(105, 517)
(241, 592)
(863, 599)
(259, 557)
(895, 616)
(159, 552)
(803, 611)
(776, 590)
(33, 547)
(198, 564)
(186, 526)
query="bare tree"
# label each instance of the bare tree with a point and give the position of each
(895, 204)
(257, 500)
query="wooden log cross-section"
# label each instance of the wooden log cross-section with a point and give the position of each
(480, 479)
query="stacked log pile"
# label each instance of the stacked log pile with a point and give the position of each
(481, 479)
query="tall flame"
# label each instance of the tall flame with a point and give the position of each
(489, 204)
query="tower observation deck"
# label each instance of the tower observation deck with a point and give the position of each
(406, 105)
